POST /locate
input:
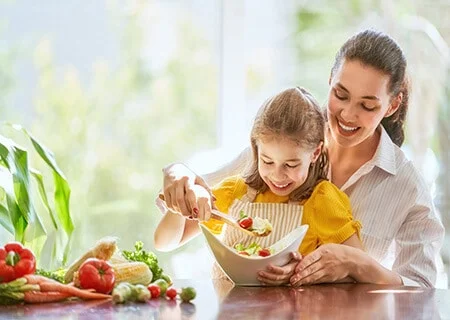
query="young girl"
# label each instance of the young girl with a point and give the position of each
(288, 175)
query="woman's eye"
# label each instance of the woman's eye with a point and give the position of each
(339, 95)
(291, 166)
(266, 162)
(367, 108)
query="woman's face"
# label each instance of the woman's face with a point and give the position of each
(283, 164)
(357, 102)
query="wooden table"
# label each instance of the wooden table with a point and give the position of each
(220, 300)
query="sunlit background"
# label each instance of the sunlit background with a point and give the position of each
(118, 89)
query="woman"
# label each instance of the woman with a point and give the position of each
(367, 106)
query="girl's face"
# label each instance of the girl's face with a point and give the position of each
(283, 164)
(357, 102)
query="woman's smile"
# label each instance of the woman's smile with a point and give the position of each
(347, 130)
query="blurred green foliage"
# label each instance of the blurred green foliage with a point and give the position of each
(113, 135)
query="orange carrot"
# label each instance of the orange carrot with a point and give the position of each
(49, 285)
(42, 297)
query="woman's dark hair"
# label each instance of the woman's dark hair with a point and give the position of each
(380, 51)
(293, 114)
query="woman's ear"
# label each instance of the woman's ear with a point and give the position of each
(395, 104)
(315, 155)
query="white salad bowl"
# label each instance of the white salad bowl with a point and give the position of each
(241, 269)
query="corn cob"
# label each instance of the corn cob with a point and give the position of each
(133, 273)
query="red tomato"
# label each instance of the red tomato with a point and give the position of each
(96, 274)
(155, 290)
(246, 222)
(171, 293)
(264, 252)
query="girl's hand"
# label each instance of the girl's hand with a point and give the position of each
(328, 263)
(178, 189)
(276, 276)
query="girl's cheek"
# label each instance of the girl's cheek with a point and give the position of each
(301, 175)
(262, 171)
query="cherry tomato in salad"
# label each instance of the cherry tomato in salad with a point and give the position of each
(246, 222)
(264, 252)
(155, 290)
(171, 293)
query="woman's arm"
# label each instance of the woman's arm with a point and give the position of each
(337, 263)
(418, 243)
(289, 273)
(179, 179)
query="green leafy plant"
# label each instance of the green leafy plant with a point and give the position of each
(18, 213)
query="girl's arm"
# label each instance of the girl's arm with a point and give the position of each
(174, 230)
(354, 242)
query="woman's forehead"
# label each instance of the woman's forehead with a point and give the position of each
(361, 80)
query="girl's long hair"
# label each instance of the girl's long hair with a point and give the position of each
(293, 114)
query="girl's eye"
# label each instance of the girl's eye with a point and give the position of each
(266, 162)
(292, 166)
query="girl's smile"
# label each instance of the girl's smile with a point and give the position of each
(278, 187)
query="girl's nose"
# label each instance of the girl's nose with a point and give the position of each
(280, 172)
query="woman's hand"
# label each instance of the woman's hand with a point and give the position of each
(328, 263)
(276, 276)
(178, 188)
(203, 199)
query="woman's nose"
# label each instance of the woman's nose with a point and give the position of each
(349, 113)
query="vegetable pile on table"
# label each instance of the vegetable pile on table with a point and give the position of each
(101, 273)
(18, 283)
